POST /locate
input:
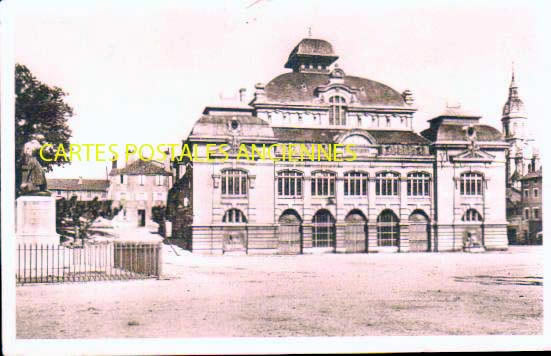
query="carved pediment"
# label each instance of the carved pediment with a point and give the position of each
(473, 155)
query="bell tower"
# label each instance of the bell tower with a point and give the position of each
(515, 131)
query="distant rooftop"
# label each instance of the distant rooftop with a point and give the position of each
(73, 184)
(141, 167)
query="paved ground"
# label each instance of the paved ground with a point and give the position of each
(316, 295)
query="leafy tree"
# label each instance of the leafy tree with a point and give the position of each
(42, 114)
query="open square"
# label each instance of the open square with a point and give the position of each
(306, 295)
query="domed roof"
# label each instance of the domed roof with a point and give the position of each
(299, 87)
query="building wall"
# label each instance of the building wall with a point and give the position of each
(452, 205)
(531, 202)
(356, 118)
(134, 196)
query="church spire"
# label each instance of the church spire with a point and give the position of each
(514, 105)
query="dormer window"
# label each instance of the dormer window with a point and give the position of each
(337, 111)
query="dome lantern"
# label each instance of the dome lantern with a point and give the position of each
(311, 55)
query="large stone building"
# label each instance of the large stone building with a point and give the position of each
(441, 190)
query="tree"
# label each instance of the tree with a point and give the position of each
(42, 114)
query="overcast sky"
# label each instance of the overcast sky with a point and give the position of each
(142, 72)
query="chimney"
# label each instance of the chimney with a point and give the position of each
(242, 92)
(132, 156)
(167, 162)
(260, 93)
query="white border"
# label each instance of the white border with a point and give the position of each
(211, 345)
(7, 114)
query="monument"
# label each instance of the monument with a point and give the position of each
(35, 211)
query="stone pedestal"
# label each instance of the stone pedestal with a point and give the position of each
(168, 229)
(35, 220)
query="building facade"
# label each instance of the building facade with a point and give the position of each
(530, 209)
(138, 187)
(82, 189)
(398, 191)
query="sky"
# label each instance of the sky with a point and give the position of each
(142, 72)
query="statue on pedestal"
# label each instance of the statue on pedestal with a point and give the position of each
(33, 179)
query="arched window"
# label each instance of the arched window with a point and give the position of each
(323, 184)
(470, 184)
(386, 183)
(471, 215)
(337, 111)
(355, 183)
(388, 229)
(234, 216)
(418, 184)
(289, 184)
(234, 182)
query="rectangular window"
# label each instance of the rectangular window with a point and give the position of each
(160, 180)
(142, 179)
(234, 182)
(471, 184)
(122, 179)
(323, 184)
(355, 184)
(527, 214)
(386, 183)
(526, 193)
(536, 213)
(536, 192)
(418, 184)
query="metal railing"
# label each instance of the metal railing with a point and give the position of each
(37, 263)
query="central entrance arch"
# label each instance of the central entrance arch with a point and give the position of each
(290, 233)
(355, 232)
(323, 230)
(388, 230)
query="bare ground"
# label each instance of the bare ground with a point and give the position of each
(308, 295)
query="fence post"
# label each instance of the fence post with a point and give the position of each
(159, 250)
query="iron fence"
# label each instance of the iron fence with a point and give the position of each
(37, 263)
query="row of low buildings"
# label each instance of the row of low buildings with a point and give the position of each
(458, 184)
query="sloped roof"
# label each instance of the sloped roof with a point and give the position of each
(452, 132)
(298, 87)
(310, 135)
(531, 175)
(141, 167)
(220, 125)
(73, 184)
(314, 46)
(316, 50)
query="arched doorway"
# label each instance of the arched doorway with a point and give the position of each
(290, 233)
(419, 232)
(472, 234)
(355, 232)
(388, 230)
(323, 230)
